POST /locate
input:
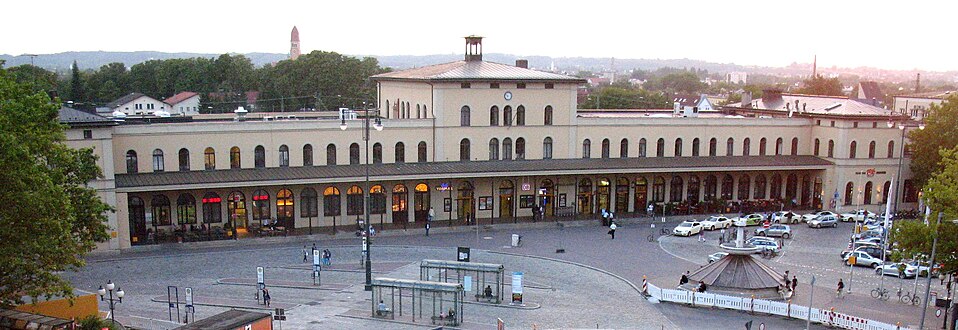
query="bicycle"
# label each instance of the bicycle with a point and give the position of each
(880, 293)
(908, 298)
(664, 231)
(651, 237)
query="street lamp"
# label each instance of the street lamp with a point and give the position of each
(367, 240)
(113, 301)
(901, 157)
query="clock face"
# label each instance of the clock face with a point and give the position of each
(507, 96)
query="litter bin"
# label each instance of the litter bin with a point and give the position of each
(515, 240)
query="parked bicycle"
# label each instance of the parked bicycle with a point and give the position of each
(880, 293)
(908, 298)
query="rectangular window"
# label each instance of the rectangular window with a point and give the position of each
(833, 123)
(466, 85)
(818, 122)
(550, 86)
(855, 125)
(87, 134)
(874, 124)
(521, 85)
(494, 85)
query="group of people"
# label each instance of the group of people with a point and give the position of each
(325, 255)
(608, 219)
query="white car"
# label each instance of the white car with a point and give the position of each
(860, 215)
(785, 217)
(687, 228)
(863, 259)
(896, 269)
(716, 222)
(922, 269)
(717, 256)
(812, 216)
(769, 245)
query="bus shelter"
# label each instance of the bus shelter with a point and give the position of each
(484, 276)
(444, 300)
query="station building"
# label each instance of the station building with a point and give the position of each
(491, 142)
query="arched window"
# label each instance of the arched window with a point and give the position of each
(283, 156)
(730, 147)
(776, 187)
(711, 188)
(794, 150)
(624, 148)
(849, 193)
(507, 149)
(186, 209)
(212, 206)
(464, 150)
(520, 148)
(852, 149)
(695, 147)
(884, 192)
(464, 116)
(507, 116)
(209, 159)
(643, 147)
(761, 147)
(779, 146)
(137, 219)
(660, 148)
(160, 206)
(605, 148)
(235, 158)
(547, 148)
(399, 204)
(421, 152)
(184, 159)
(744, 185)
(308, 155)
(236, 208)
(891, 149)
(678, 147)
(261, 211)
(871, 150)
(310, 203)
(818, 147)
(158, 165)
(418, 113)
(377, 153)
(354, 154)
(494, 116)
(867, 196)
(400, 152)
(285, 207)
(354, 201)
(831, 148)
(402, 109)
(760, 184)
(586, 148)
(675, 191)
(547, 120)
(727, 184)
(694, 187)
(377, 200)
(131, 162)
(791, 189)
(713, 145)
(520, 116)
(331, 154)
(746, 146)
(494, 149)
(259, 157)
(331, 202)
(658, 189)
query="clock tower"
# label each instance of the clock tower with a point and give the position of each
(294, 44)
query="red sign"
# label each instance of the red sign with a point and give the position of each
(212, 200)
(870, 172)
(261, 198)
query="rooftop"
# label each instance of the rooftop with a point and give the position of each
(475, 70)
(228, 320)
(180, 97)
(75, 117)
(124, 100)
(930, 95)
(816, 105)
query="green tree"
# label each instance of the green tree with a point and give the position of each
(108, 83)
(615, 97)
(36, 77)
(941, 132)
(914, 238)
(322, 80)
(49, 218)
(819, 85)
(684, 82)
(77, 92)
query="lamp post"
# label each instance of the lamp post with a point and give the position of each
(367, 240)
(931, 265)
(901, 157)
(113, 301)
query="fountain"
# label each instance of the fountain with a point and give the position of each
(739, 273)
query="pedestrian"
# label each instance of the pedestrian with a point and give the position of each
(702, 287)
(841, 285)
(649, 210)
(684, 279)
(266, 296)
(427, 228)
(305, 253)
(612, 230)
(372, 231)
(326, 257)
(786, 276)
(432, 214)
(794, 284)
(314, 247)
(702, 236)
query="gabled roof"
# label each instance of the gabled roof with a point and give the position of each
(474, 70)
(180, 97)
(817, 105)
(75, 117)
(686, 100)
(124, 100)
(870, 90)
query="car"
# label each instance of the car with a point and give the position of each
(870, 248)
(767, 245)
(752, 239)
(783, 231)
(813, 216)
(716, 222)
(749, 220)
(862, 259)
(860, 215)
(896, 269)
(922, 269)
(869, 234)
(873, 240)
(826, 220)
(687, 228)
(716, 256)
(785, 217)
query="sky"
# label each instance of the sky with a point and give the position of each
(899, 35)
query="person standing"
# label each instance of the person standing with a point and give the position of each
(684, 279)
(612, 230)
(649, 210)
(841, 285)
(794, 284)
(266, 297)
(427, 225)
(432, 214)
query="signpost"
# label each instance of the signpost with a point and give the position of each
(189, 305)
(173, 297)
(462, 254)
(517, 288)
(316, 268)
(261, 282)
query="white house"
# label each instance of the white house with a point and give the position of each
(184, 103)
(138, 104)
(690, 106)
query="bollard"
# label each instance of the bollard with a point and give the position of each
(752, 305)
(788, 308)
(645, 286)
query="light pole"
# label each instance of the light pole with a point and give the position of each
(931, 264)
(901, 157)
(113, 301)
(367, 240)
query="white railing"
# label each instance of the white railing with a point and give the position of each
(826, 317)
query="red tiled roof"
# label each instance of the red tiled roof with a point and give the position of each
(182, 96)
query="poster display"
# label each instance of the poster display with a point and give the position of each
(517, 287)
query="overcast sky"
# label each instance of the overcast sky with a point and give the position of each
(886, 34)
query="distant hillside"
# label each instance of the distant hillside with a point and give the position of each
(94, 60)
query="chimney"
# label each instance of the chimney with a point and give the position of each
(520, 63)
(746, 99)
(473, 48)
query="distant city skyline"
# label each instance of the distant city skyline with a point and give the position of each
(878, 34)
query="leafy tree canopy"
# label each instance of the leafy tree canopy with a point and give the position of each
(615, 97)
(819, 85)
(49, 218)
(941, 132)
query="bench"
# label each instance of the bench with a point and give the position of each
(444, 320)
(486, 298)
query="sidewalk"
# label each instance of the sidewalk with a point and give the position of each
(227, 302)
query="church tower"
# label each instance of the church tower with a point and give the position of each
(294, 44)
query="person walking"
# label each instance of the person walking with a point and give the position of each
(612, 230)
(427, 225)
(432, 214)
(841, 285)
(786, 278)
(266, 297)
(684, 279)
(649, 210)
(794, 284)
(305, 253)
(326, 257)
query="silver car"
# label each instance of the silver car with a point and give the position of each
(823, 221)
(779, 230)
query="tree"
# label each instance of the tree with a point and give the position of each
(49, 218)
(914, 238)
(321, 80)
(625, 98)
(819, 85)
(941, 132)
(77, 92)
(685, 82)
(38, 78)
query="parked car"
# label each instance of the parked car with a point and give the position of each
(860, 215)
(769, 245)
(785, 217)
(873, 240)
(813, 216)
(872, 249)
(687, 228)
(869, 234)
(716, 256)
(752, 239)
(778, 230)
(749, 220)
(863, 259)
(826, 220)
(716, 222)
(896, 269)
(922, 268)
